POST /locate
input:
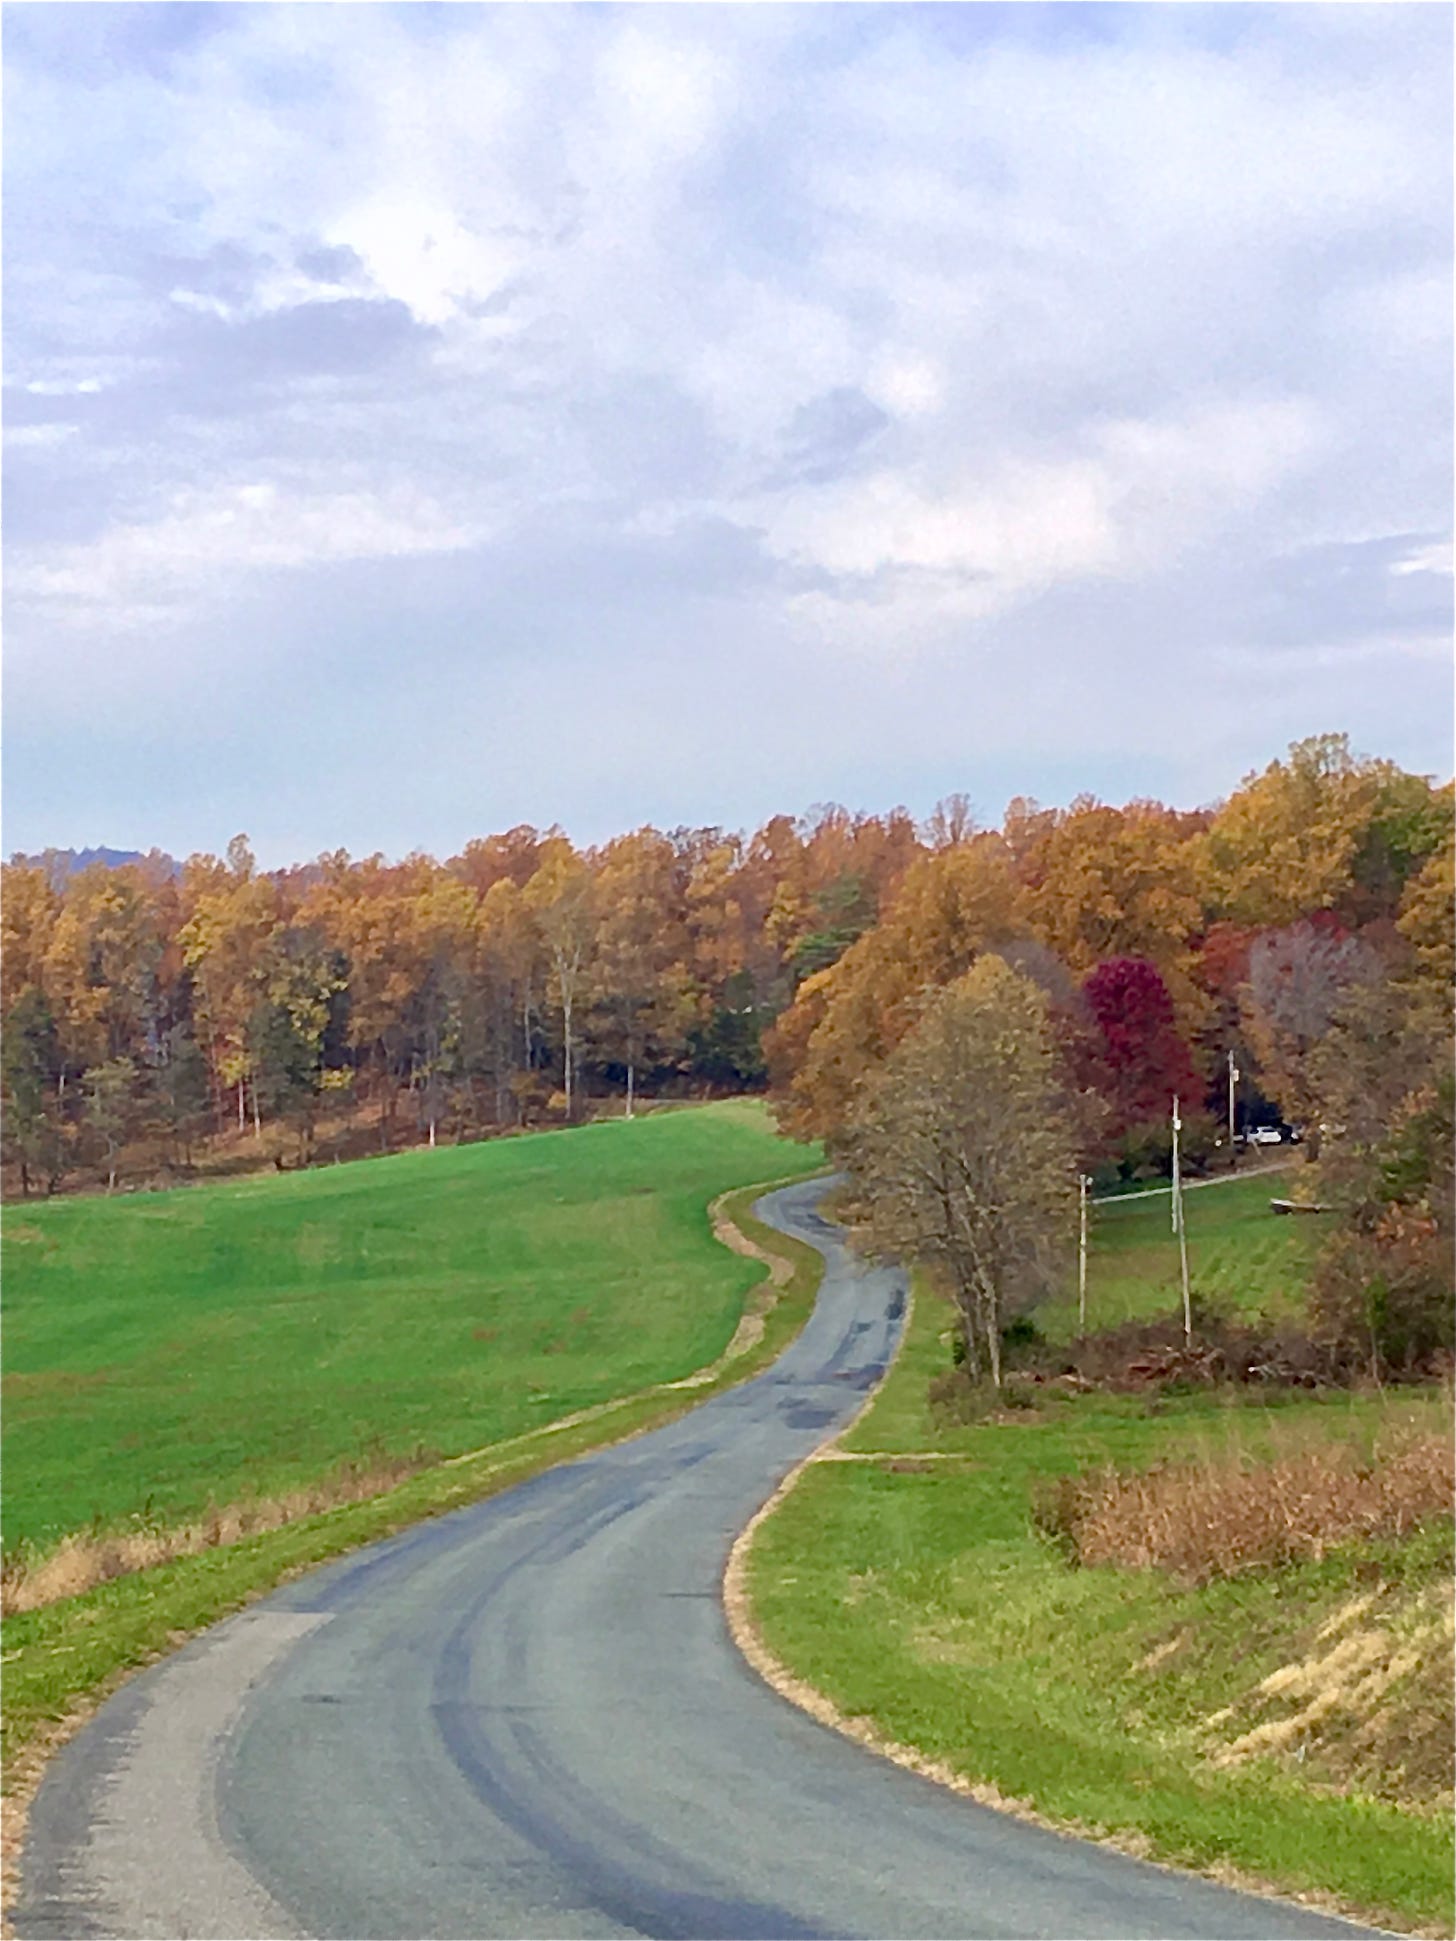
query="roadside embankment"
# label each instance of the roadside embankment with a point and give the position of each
(1278, 1720)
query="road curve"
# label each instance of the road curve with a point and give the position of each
(528, 1719)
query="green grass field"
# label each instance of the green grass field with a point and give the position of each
(922, 1598)
(240, 1339)
(1241, 1257)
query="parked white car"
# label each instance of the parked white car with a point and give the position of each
(1265, 1136)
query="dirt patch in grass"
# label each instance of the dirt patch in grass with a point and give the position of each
(1223, 1515)
(761, 1300)
(46, 1384)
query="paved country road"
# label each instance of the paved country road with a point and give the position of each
(528, 1719)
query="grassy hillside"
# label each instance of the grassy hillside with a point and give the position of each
(165, 1348)
(1293, 1722)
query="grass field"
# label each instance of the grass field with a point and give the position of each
(912, 1588)
(1240, 1256)
(62, 1659)
(239, 1339)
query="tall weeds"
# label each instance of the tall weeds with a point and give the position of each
(1226, 1513)
(86, 1558)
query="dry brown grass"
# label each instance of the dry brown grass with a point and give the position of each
(1368, 1698)
(85, 1559)
(1226, 1513)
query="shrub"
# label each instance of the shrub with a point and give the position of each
(1383, 1299)
(1021, 1339)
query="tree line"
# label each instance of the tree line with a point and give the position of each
(154, 1012)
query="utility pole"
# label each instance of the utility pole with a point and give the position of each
(1083, 1182)
(1234, 1076)
(1180, 1229)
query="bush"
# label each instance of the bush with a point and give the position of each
(1145, 1150)
(1384, 1300)
(1021, 1341)
(957, 1399)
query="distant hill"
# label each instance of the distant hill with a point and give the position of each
(62, 864)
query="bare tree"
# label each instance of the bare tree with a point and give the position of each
(951, 822)
(1299, 979)
(110, 1093)
(962, 1157)
(562, 896)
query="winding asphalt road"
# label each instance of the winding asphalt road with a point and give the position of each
(528, 1719)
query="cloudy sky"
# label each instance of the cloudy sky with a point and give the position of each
(422, 419)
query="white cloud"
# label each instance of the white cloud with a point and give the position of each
(1134, 495)
(188, 553)
(910, 387)
(64, 387)
(1436, 558)
(425, 257)
(38, 437)
(1022, 524)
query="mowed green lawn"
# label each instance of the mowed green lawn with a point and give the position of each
(231, 1340)
(1241, 1257)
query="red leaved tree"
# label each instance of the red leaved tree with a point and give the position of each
(1139, 1061)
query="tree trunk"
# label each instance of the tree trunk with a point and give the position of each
(990, 1307)
(567, 1063)
(967, 1306)
(631, 1084)
(242, 1109)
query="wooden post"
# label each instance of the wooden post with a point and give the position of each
(1180, 1229)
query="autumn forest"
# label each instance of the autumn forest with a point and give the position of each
(158, 1017)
